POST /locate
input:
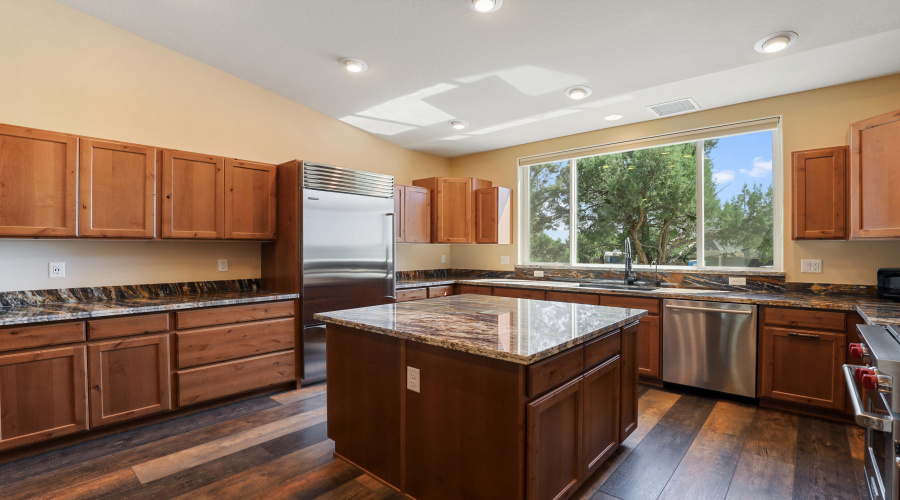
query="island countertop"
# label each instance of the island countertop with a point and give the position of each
(519, 330)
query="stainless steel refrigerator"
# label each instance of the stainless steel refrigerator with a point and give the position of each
(346, 246)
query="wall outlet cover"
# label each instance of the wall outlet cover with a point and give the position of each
(223, 265)
(413, 379)
(539, 274)
(737, 281)
(810, 266)
(443, 259)
(57, 269)
(504, 259)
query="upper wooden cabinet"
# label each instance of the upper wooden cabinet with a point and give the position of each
(37, 175)
(193, 196)
(820, 194)
(875, 177)
(412, 214)
(493, 215)
(451, 208)
(250, 200)
(116, 189)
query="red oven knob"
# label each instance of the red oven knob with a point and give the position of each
(870, 382)
(859, 371)
(857, 351)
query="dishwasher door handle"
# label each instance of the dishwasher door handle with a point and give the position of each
(704, 309)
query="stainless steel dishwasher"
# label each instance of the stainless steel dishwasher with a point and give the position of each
(711, 345)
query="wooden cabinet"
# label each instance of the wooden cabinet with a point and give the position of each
(802, 366)
(193, 196)
(412, 294)
(555, 432)
(412, 214)
(27, 337)
(493, 215)
(234, 377)
(452, 208)
(117, 185)
(129, 379)
(820, 194)
(628, 405)
(478, 290)
(43, 394)
(519, 293)
(576, 298)
(38, 182)
(601, 388)
(875, 177)
(649, 333)
(250, 200)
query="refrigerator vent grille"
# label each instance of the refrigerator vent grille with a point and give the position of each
(347, 180)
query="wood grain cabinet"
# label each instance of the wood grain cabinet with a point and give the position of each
(117, 185)
(412, 214)
(628, 405)
(875, 177)
(555, 433)
(493, 215)
(452, 207)
(820, 194)
(193, 196)
(43, 394)
(602, 387)
(38, 179)
(128, 379)
(250, 200)
(649, 333)
(803, 366)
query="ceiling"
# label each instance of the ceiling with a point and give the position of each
(506, 72)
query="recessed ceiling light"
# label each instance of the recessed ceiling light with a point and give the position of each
(354, 65)
(484, 6)
(613, 117)
(578, 92)
(776, 42)
(459, 124)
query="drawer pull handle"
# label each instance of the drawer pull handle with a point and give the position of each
(804, 335)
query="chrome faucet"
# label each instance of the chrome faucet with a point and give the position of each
(630, 277)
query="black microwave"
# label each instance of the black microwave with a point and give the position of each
(889, 284)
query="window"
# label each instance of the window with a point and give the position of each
(707, 203)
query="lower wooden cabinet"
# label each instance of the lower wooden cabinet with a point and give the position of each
(43, 394)
(478, 290)
(412, 294)
(555, 432)
(649, 353)
(234, 377)
(628, 406)
(802, 366)
(129, 379)
(601, 388)
(519, 293)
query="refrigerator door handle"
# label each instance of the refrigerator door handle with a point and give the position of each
(392, 255)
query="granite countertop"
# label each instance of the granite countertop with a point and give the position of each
(404, 284)
(59, 311)
(519, 330)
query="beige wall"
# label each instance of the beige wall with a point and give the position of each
(813, 119)
(68, 72)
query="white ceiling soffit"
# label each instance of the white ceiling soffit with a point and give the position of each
(505, 73)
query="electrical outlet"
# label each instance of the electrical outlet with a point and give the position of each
(539, 274)
(443, 259)
(810, 266)
(413, 379)
(57, 269)
(504, 259)
(737, 281)
(223, 265)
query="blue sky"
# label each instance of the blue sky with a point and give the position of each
(742, 158)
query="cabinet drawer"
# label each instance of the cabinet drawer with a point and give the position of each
(553, 371)
(412, 294)
(224, 379)
(211, 345)
(802, 318)
(130, 325)
(651, 305)
(478, 290)
(25, 337)
(440, 291)
(520, 294)
(233, 314)
(576, 298)
(601, 349)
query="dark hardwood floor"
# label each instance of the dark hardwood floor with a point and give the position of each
(686, 446)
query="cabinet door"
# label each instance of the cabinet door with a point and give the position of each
(116, 188)
(416, 215)
(520, 294)
(399, 213)
(37, 175)
(478, 290)
(649, 347)
(628, 413)
(820, 193)
(129, 379)
(803, 366)
(193, 196)
(250, 200)
(43, 394)
(602, 387)
(453, 210)
(875, 177)
(493, 215)
(555, 424)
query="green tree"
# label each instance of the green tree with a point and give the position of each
(549, 206)
(745, 223)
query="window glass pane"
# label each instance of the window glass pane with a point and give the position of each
(649, 195)
(548, 185)
(738, 209)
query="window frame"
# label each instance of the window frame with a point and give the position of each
(734, 129)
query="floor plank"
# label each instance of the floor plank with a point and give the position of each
(646, 471)
(315, 482)
(765, 468)
(94, 488)
(299, 394)
(824, 466)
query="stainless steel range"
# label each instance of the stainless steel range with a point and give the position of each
(877, 409)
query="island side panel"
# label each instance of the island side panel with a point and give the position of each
(629, 405)
(465, 430)
(365, 377)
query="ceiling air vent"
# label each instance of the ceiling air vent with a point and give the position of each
(674, 107)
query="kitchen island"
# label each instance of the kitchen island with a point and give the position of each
(474, 396)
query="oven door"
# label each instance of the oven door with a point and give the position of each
(871, 412)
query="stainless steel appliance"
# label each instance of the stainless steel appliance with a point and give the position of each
(877, 406)
(889, 283)
(711, 345)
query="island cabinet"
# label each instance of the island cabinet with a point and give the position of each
(820, 194)
(875, 177)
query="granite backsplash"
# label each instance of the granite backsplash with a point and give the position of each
(37, 297)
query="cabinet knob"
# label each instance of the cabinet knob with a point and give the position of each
(96, 387)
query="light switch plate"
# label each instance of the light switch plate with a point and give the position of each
(57, 269)
(504, 259)
(413, 379)
(539, 274)
(810, 266)
(737, 281)
(223, 264)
